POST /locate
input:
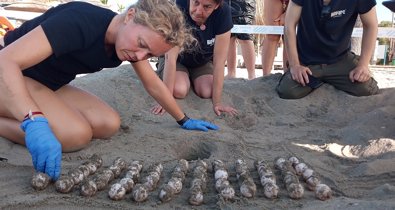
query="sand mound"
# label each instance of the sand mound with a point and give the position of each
(349, 141)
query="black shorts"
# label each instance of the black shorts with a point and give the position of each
(243, 36)
(243, 20)
(193, 73)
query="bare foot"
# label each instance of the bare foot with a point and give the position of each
(230, 76)
(251, 76)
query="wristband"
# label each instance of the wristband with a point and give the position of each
(183, 120)
(31, 114)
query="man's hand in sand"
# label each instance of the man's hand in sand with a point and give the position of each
(219, 108)
(360, 74)
(300, 74)
(158, 110)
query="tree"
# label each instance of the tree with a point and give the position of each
(385, 23)
(385, 41)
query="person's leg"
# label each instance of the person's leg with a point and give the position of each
(203, 86)
(202, 79)
(182, 83)
(273, 9)
(338, 75)
(232, 58)
(75, 116)
(160, 66)
(287, 88)
(285, 57)
(103, 119)
(248, 52)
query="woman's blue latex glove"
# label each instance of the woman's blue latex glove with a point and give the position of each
(192, 124)
(45, 149)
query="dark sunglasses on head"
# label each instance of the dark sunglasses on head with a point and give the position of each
(325, 14)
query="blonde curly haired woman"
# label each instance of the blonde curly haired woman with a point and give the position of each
(40, 109)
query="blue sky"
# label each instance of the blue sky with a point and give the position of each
(383, 13)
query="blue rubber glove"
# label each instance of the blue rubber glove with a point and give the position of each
(192, 124)
(45, 149)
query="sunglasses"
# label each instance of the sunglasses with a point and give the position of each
(325, 14)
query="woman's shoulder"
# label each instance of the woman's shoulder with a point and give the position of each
(182, 4)
(80, 5)
(80, 8)
(223, 14)
(79, 12)
(224, 10)
(224, 6)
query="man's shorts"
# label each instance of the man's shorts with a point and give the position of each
(243, 21)
(243, 36)
(336, 74)
(193, 73)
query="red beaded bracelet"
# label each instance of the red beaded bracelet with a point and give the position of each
(31, 114)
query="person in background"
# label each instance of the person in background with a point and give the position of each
(320, 50)
(5, 26)
(390, 4)
(243, 13)
(274, 15)
(202, 68)
(38, 107)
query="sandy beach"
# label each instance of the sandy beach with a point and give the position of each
(348, 141)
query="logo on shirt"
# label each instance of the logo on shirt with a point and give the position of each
(338, 13)
(211, 42)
